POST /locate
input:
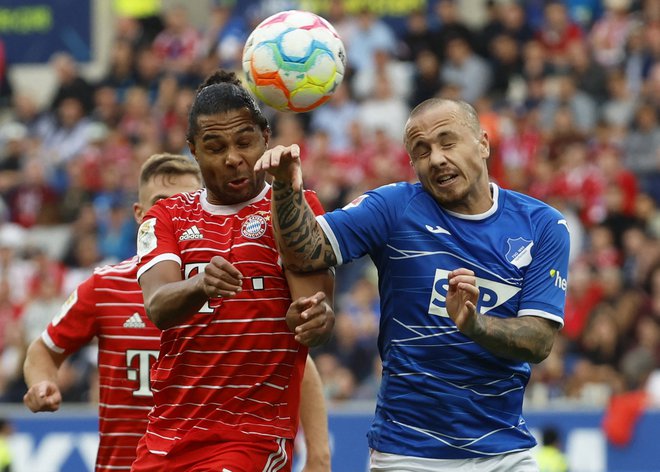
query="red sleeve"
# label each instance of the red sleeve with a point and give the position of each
(75, 325)
(314, 202)
(155, 240)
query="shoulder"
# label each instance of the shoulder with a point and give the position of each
(398, 191)
(544, 219)
(535, 209)
(125, 268)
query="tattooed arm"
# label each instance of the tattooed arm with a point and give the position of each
(526, 338)
(303, 245)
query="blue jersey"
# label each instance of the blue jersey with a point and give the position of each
(442, 395)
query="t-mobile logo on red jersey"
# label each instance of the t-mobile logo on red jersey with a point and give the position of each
(140, 373)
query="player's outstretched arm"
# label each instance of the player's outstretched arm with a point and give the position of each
(169, 300)
(302, 243)
(314, 420)
(526, 338)
(40, 371)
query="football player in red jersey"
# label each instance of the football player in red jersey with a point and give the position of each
(109, 305)
(227, 381)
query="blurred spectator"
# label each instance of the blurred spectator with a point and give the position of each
(642, 150)
(138, 20)
(178, 46)
(637, 60)
(449, 25)
(335, 119)
(609, 33)
(384, 111)
(549, 456)
(106, 106)
(45, 301)
(33, 201)
(64, 133)
(226, 34)
(510, 20)
(5, 451)
(620, 106)
(465, 69)
(148, 72)
(418, 37)
(384, 66)
(426, 80)
(505, 63)
(557, 31)
(583, 294)
(121, 74)
(647, 212)
(609, 160)
(565, 94)
(366, 35)
(70, 83)
(13, 137)
(5, 84)
(590, 77)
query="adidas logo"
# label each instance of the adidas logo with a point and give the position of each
(191, 233)
(135, 321)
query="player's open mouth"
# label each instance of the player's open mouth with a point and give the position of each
(238, 184)
(446, 179)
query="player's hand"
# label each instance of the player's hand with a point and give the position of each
(311, 319)
(43, 396)
(462, 298)
(283, 163)
(221, 279)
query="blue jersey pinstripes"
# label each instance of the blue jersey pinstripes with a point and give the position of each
(443, 396)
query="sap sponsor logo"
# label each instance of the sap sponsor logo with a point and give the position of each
(560, 282)
(491, 294)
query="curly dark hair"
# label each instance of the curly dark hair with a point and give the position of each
(221, 92)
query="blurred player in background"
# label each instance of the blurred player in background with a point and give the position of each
(227, 381)
(109, 305)
(472, 281)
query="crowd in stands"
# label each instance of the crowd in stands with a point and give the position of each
(569, 93)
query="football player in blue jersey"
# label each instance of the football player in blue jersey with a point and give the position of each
(472, 281)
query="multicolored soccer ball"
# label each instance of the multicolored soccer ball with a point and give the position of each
(294, 61)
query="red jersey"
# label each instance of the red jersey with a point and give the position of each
(233, 370)
(109, 305)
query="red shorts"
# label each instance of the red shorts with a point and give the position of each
(223, 456)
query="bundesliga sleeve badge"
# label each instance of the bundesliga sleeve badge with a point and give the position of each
(146, 239)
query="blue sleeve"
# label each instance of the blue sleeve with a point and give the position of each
(544, 286)
(363, 225)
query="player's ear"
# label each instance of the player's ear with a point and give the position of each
(191, 146)
(484, 145)
(138, 213)
(266, 135)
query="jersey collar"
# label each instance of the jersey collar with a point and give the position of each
(230, 209)
(481, 216)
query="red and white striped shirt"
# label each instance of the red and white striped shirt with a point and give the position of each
(233, 370)
(109, 305)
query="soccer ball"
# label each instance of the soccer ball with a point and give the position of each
(294, 61)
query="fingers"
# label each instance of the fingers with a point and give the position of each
(43, 397)
(279, 161)
(222, 279)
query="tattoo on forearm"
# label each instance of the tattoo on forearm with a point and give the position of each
(524, 338)
(304, 245)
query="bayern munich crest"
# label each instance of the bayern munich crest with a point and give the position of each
(254, 226)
